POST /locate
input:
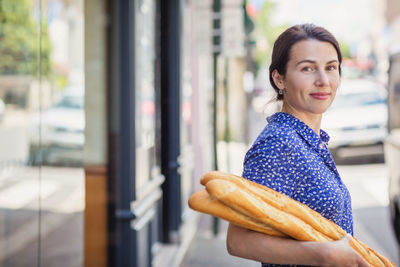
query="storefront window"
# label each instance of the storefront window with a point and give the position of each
(187, 158)
(41, 133)
(19, 184)
(145, 91)
(62, 136)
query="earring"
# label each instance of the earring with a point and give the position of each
(280, 92)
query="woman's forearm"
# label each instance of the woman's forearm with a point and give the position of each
(263, 248)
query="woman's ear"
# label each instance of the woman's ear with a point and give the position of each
(278, 79)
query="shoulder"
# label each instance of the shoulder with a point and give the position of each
(275, 160)
(275, 136)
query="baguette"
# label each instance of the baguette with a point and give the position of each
(258, 204)
(245, 203)
(369, 254)
(202, 202)
(282, 202)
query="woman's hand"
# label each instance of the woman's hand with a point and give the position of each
(340, 253)
(264, 248)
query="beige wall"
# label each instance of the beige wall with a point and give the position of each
(95, 150)
(393, 19)
(236, 106)
(393, 10)
(95, 83)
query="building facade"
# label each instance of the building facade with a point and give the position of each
(110, 113)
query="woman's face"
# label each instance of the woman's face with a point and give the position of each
(311, 79)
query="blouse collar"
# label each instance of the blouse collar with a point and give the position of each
(308, 134)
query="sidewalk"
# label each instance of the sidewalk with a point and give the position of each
(209, 251)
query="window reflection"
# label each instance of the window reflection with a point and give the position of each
(41, 132)
(19, 188)
(145, 91)
(61, 138)
(186, 158)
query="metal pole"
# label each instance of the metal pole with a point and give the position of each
(170, 117)
(216, 52)
(227, 133)
(126, 239)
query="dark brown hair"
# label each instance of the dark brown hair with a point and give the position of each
(292, 35)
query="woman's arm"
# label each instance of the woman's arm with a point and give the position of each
(256, 246)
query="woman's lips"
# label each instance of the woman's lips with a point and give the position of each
(320, 96)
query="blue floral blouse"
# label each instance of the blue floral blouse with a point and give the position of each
(289, 157)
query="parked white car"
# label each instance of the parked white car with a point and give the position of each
(357, 119)
(58, 133)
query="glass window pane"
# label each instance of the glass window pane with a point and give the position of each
(62, 123)
(19, 97)
(187, 157)
(145, 126)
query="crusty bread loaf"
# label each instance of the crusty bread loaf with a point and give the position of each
(201, 201)
(281, 201)
(373, 257)
(270, 207)
(248, 204)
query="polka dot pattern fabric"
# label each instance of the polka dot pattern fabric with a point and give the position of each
(289, 157)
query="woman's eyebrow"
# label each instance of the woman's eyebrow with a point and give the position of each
(313, 61)
(332, 61)
(306, 61)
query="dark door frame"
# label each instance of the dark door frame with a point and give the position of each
(170, 57)
(125, 244)
(122, 239)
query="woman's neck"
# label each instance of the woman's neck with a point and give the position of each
(312, 120)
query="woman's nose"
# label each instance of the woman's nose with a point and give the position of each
(322, 79)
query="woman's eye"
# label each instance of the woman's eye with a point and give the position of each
(331, 68)
(307, 69)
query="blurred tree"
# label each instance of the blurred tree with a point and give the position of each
(345, 49)
(21, 36)
(265, 34)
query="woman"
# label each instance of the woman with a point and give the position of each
(291, 157)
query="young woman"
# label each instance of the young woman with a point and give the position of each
(291, 157)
